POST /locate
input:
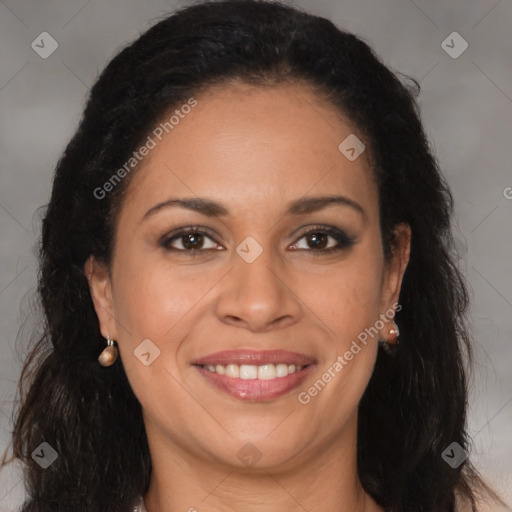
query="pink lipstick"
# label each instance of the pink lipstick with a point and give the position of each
(255, 375)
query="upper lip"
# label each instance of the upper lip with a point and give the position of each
(255, 357)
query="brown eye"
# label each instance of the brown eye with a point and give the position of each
(324, 240)
(189, 241)
(192, 241)
(317, 240)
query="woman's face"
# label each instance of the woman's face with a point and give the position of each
(272, 274)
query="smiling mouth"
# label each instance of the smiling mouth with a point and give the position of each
(247, 386)
(255, 375)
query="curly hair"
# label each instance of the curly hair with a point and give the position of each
(416, 401)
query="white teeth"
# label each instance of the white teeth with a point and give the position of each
(282, 370)
(233, 370)
(267, 372)
(250, 371)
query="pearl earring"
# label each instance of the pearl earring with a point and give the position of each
(394, 333)
(109, 355)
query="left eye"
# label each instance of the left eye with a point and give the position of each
(319, 239)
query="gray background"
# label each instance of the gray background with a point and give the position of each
(466, 105)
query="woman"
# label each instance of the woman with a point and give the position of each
(246, 223)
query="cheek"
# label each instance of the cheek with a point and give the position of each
(151, 301)
(153, 305)
(346, 298)
(348, 303)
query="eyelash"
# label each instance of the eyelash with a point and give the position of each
(342, 239)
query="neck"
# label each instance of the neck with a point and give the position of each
(325, 480)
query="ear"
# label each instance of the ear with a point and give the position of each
(395, 268)
(100, 287)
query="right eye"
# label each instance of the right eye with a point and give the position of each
(190, 239)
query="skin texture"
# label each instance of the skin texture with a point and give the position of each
(253, 149)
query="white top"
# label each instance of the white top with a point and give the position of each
(139, 507)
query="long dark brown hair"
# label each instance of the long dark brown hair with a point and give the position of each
(415, 404)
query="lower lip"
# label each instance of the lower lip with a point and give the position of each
(256, 390)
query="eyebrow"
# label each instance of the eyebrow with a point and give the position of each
(212, 208)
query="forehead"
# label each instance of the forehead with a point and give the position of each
(247, 145)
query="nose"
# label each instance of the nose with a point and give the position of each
(258, 296)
